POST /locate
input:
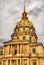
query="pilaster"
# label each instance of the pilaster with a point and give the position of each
(10, 62)
(11, 49)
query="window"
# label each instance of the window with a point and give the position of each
(15, 52)
(34, 50)
(1, 52)
(17, 37)
(34, 63)
(29, 39)
(24, 29)
(23, 38)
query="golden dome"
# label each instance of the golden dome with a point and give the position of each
(24, 21)
(24, 29)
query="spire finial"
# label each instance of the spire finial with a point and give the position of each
(24, 6)
(25, 13)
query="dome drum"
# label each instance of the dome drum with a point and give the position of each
(25, 38)
(24, 29)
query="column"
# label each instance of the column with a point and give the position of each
(10, 62)
(20, 61)
(28, 49)
(7, 62)
(2, 62)
(17, 61)
(17, 49)
(28, 61)
(4, 50)
(11, 49)
(20, 49)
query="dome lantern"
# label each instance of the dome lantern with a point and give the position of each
(24, 20)
(24, 15)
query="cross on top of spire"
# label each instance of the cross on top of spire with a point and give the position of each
(24, 6)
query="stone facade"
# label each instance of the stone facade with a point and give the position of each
(23, 48)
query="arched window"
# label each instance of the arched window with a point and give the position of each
(15, 51)
(23, 29)
(23, 38)
(18, 38)
(34, 50)
(29, 39)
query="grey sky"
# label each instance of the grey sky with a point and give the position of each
(11, 12)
